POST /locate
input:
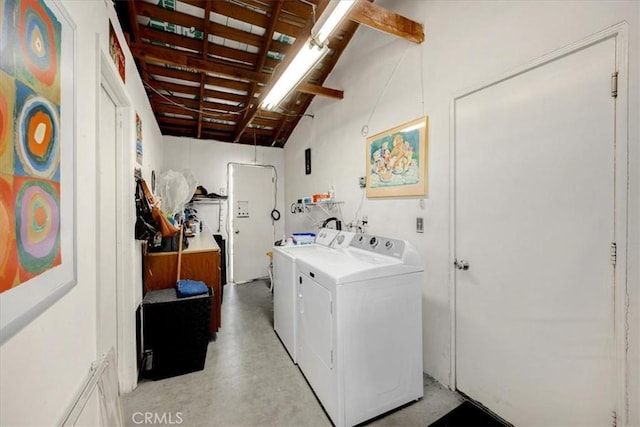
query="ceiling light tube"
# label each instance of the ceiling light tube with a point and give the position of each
(331, 17)
(302, 64)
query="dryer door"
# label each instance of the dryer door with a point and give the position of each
(316, 341)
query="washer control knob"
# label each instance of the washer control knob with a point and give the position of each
(388, 244)
(373, 242)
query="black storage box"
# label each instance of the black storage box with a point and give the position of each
(176, 332)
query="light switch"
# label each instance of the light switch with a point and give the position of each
(419, 225)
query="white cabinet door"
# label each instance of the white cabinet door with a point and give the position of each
(534, 219)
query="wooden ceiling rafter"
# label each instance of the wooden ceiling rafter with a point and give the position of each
(381, 19)
(268, 37)
(301, 39)
(203, 75)
(210, 87)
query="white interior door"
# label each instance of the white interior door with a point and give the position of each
(534, 220)
(251, 200)
(107, 330)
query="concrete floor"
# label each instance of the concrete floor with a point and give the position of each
(249, 380)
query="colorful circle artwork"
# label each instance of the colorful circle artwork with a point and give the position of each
(4, 122)
(38, 137)
(8, 257)
(37, 216)
(37, 41)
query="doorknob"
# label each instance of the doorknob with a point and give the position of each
(461, 265)
(237, 231)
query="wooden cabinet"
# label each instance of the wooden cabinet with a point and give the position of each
(200, 261)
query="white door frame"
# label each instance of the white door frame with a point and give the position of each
(620, 32)
(230, 211)
(108, 77)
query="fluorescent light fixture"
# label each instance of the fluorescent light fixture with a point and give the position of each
(303, 62)
(313, 51)
(334, 13)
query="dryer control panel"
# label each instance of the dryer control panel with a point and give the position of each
(378, 244)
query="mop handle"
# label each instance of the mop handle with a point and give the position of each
(179, 254)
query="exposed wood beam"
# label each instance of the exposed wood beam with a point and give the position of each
(211, 107)
(347, 30)
(266, 41)
(320, 90)
(160, 70)
(203, 76)
(173, 88)
(247, 15)
(384, 20)
(197, 46)
(299, 43)
(182, 59)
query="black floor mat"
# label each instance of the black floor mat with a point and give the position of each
(468, 415)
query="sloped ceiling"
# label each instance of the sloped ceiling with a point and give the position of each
(205, 64)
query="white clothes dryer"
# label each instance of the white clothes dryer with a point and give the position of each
(284, 281)
(359, 331)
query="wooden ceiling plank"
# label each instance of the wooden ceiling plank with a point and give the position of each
(189, 21)
(212, 108)
(169, 108)
(195, 90)
(389, 22)
(174, 87)
(268, 35)
(203, 77)
(179, 121)
(265, 123)
(347, 29)
(266, 41)
(218, 126)
(162, 36)
(301, 39)
(200, 105)
(133, 20)
(174, 17)
(170, 56)
(159, 70)
(320, 90)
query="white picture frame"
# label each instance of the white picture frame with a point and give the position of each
(22, 303)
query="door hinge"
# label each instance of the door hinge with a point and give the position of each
(614, 85)
(332, 357)
(614, 419)
(614, 253)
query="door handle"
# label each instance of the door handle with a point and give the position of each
(237, 231)
(461, 265)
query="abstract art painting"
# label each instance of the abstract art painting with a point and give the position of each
(37, 165)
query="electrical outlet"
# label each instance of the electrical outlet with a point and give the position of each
(363, 181)
(419, 225)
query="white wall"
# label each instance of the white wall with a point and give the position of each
(43, 367)
(208, 161)
(389, 81)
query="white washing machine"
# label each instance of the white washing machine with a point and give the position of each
(359, 336)
(284, 281)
